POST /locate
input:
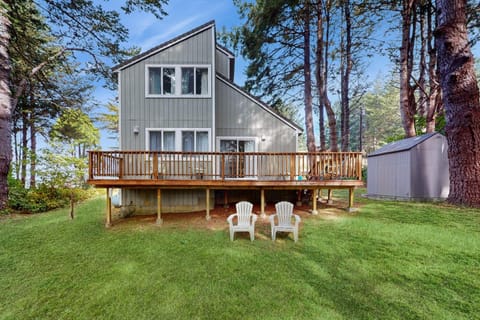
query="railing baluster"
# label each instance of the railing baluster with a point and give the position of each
(216, 165)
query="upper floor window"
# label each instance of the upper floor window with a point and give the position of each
(193, 81)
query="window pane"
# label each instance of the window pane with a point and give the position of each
(187, 80)
(154, 77)
(169, 141)
(202, 141)
(187, 141)
(155, 141)
(168, 80)
(246, 146)
(228, 145)
(202, 81)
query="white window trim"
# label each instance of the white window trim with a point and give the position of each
(255, 139)
(178, 137)
(178, 81)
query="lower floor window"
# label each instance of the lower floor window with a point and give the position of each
(185, 140)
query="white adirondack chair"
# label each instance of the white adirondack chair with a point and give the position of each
(245, 220)
(284, 220)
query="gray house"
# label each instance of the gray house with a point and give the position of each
(410, 169)
(180, 96)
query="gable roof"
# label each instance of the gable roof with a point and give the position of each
(164, 46)
(402, 145)
(262, 104)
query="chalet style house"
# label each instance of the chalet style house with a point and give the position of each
(189, 135)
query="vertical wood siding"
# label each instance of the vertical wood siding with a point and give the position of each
(222, 63)
(137, 110)
(238, 116)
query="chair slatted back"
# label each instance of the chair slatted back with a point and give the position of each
(244, 211)
(284, 211)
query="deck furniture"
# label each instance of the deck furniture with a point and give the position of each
(284, 222)
(245, 220)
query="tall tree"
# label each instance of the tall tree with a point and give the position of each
(109, 120)
(407, 97)
(322, 58)
(81, 26)
(75, 127)
(383, 122)
(5, 105)
(346, 66)
(31, 44)
(461, 99)
(307, 75)
(276, 42)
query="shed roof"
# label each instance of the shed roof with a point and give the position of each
(402, 145)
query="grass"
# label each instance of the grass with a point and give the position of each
(390, 260)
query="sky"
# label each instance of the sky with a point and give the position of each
(146, 32)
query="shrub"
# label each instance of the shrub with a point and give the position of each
(43, 198)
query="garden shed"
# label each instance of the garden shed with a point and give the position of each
(410, 169)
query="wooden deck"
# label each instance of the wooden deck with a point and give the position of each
(225, 171)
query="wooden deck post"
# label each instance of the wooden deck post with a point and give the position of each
(154, 173)
(120, 168)
(351, 193)
(330, 195)
(225, 199)
(159, 207)
(292, 167)
(108, 221)
(262, 204)
(314, 201)
(207, 204)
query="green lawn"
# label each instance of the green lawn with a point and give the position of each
(389, 260)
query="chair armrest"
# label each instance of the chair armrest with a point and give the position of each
(297, 219)
(272, 218)
(230, 218)
(254, 217)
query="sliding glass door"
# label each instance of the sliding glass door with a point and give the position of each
(238, 165)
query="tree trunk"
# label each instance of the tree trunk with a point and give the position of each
(308, 82)
(72, 205)
(435, 95)
(33, 151)
(347, 64)
(407, 99)
(5, 108)
(17, 152)
(461, 100)
(422, 81)
(332, 121)
(319, 73)
(25, 126)
(323, 16)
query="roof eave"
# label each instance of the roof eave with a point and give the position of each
(163, 46)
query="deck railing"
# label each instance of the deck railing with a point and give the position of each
(222, 166)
